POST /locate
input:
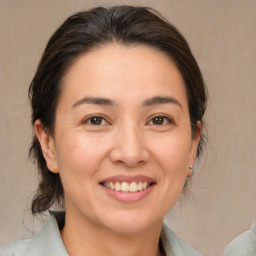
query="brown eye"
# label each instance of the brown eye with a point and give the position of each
(160, 120)
(95, 120)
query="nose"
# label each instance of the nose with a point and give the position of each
(129, 147)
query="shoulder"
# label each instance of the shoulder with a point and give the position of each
(243, 245)
(46, 242)
(16, 248)
(175, 246)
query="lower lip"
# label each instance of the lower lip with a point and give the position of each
(127, 197)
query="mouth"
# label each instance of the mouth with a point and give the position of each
(128, 187)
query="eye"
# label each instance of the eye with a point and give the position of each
(161, 120)
(95, 120)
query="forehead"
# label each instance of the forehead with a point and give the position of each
(116, 71)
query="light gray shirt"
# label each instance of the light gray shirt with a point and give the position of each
(244, 244)
(48, 242)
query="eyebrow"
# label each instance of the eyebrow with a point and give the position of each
(95, 101)
(161, 100)
(107, 102)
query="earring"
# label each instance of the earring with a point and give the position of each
(191, 168)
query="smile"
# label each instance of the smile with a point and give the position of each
(126, 186)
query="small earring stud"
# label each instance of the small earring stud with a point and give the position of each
(191, 168)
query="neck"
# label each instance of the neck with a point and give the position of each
(85, 238)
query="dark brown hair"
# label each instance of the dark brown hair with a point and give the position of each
(80, 33)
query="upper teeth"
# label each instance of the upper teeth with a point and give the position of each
(127, 187)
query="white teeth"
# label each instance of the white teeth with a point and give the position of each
(140, 186)
(117, 186)
(112, 185)
(133, 187)
(126, 187)
(144, 185)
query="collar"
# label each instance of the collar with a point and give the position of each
(48, 241)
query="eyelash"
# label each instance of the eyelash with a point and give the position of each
(164, 116)
(89, 119)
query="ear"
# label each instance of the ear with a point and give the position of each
(193, 150)
(47, 145)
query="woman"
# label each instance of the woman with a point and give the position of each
(117, 106)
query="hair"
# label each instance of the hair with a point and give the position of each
(87, 30)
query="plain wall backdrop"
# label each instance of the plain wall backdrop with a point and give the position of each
(223, 39)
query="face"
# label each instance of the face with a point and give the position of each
(122, 142)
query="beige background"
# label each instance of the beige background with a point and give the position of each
(223, 39)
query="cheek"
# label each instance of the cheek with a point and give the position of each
(172, 152)
(171, 156)
(79, 156)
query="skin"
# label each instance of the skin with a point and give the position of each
(126, 141)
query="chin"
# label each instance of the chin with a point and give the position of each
(132, 223)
